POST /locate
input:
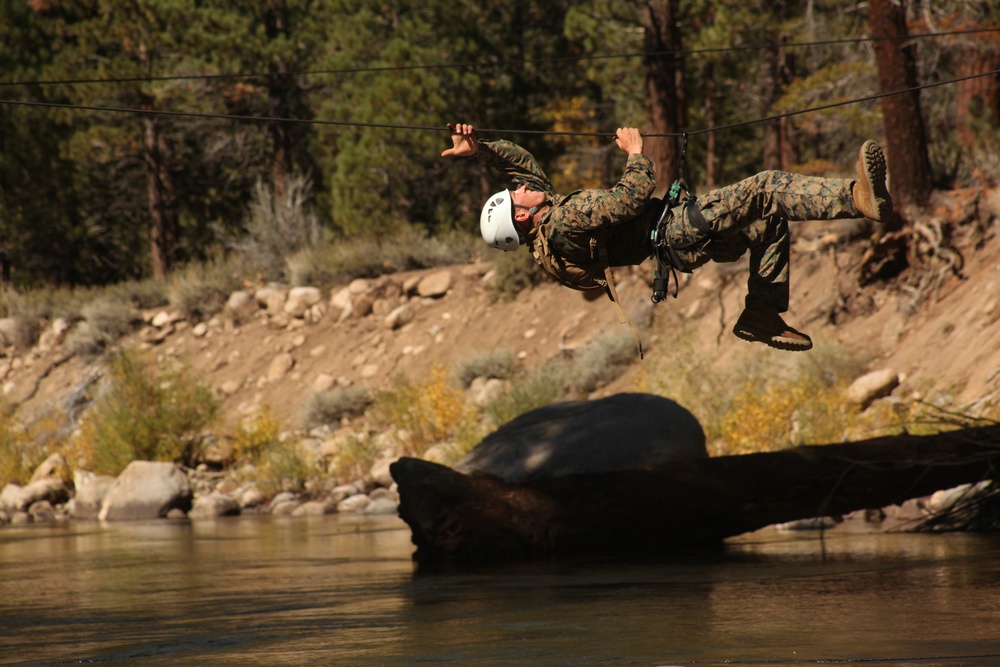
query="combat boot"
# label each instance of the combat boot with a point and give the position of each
(871, 194)
(763, 324)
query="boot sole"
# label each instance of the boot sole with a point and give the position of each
(754, 335)
(875, 171)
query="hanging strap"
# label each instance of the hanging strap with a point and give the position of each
(613, 293)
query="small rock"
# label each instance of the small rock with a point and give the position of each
(435, 285)
(381, 506)
(380, 472)
(212, 506)
(241, 302)
(400, 317)
(285, 507)
(300, 299)
(313, 508)
(165, 318)
(280, 366)
(323, 382)
(356, 503)
(871, 386)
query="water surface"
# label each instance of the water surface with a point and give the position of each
(341, 590)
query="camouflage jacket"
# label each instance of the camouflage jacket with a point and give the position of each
(587, 230)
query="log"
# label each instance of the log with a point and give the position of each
(462, 518)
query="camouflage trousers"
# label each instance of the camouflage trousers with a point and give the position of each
(753, 215)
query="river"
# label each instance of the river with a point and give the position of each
(343, 590)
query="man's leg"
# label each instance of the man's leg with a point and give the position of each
(777, 194)
(755, 213)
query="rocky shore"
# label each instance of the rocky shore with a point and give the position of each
(151, 490)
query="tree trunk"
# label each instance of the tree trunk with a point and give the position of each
(773, 82)
(666, 110)
(457, 517)
(279, 89)
(906, 141)
(977, 101)
(161, 196)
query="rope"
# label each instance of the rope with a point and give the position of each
(313, 121)
(497, 63)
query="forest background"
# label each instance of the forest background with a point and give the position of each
(356, 95)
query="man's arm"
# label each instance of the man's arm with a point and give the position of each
(627, 198)
(504, 156)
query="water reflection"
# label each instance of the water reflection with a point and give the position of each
(343, 591)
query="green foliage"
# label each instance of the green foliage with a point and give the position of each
(253, 440)
(284, 467)
(278, 225)
(368, 257)
(424, 414)
(600, 361)
(329, 407)
(144, 413)
(525, 394)
(500, 364)
(356, 454)
(201, 290)
(106, 319)
(512, 273)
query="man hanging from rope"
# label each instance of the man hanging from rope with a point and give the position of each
(577, 238)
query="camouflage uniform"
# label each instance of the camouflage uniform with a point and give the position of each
(752, 214)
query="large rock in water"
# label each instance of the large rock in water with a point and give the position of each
(146, 490)
(615, 433)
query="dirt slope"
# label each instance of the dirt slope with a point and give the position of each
(949, 342)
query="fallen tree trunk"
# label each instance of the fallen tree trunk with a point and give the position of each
(457, 517)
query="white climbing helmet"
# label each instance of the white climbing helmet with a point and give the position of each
(497, 222)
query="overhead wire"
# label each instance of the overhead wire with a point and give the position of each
(499, 63)
(314, 121)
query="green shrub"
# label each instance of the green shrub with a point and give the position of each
(329, 407)
(499, 364)
(356, 455)
(144, 413)
(277, 226)
(259, 435)
(201, 290)
(512, 273)
(283, 467)
(424, 414)
(405, 248)
(525, 394)
(600, 361)
(106, 319)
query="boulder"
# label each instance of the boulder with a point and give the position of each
(435, 285)
(400, 317)
(301, 299)
(280, 365)
(872, 386)
(271, 298)
(51, 489)
(341, 304)
(213, 505)
(356, 503)
(146, 490)
(615, 433)
(10, 497)
(90, 492)
(314, 508)
(381, 506)
(54, 466)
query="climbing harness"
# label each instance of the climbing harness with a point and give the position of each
(667, 260)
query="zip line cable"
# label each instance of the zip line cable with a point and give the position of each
(498, 63)
(834, 105)
(313, 121)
